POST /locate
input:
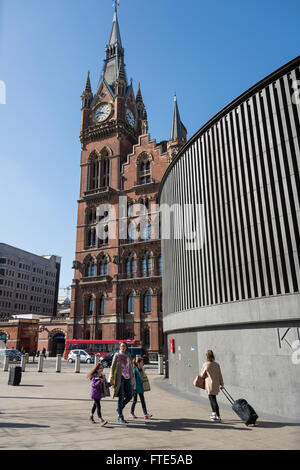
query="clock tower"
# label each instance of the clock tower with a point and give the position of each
(117, 287)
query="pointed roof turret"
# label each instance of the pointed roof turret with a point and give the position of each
(139, 94)
(88, 88)
(176, 130)
(87, 94)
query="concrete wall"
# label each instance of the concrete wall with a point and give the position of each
(256, 362)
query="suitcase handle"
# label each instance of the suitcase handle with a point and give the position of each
(227, 395)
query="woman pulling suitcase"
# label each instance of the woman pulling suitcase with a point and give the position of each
(211, 372)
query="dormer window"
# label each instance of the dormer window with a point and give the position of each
(144, 168)
(145, 173)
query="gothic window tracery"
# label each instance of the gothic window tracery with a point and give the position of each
(147, 302)
(98, 169)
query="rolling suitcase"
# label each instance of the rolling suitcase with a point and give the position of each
(242, 408)
(15, 374)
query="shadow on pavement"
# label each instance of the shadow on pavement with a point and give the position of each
(270, 424)
(48, 398)
(28, 385)
(181, 425)
(21, 425)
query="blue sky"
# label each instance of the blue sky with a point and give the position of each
(209, 52)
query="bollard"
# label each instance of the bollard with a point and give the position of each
(77, 364)
(40, 364)
(160, 364)
(6, 363)
(23, 363)
(27, 357)
(58, 363)
(97, 358)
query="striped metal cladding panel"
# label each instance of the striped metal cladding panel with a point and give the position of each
(244, 170)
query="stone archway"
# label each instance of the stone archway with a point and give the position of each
(57, 341)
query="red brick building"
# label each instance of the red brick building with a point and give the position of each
(117, 288)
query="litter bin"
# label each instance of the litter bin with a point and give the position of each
(15, 375)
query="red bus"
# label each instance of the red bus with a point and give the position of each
(95, 346)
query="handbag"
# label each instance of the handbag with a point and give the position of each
(105, 387)
(146, 384)
(199, 382)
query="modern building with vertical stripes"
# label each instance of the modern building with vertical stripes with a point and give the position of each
(230, 248)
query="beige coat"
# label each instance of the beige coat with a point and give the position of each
(116, 374)
(211, 372)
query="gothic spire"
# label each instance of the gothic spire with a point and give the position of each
(139, 94)
(87, 94)
(114, 60)
(176, 130)
(115, 36)
(88, 88)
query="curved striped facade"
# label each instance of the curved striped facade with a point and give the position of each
(242, 171)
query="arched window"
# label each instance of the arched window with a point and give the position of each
(102, 305)
(91, 269)
(98, 170)
(147, 264)
(147, 302)
(103, 267)
(130, 266)
(93, 174)
(130, 303)
(91, 237)
(91, 305)
(105, 167)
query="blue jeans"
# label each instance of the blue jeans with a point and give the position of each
(125, 394)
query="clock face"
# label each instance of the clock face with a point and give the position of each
(102, 112)
(130, 117)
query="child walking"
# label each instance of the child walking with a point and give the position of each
(97, 391)
(142, 385)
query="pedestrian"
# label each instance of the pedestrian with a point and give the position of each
(97, 379)
(142, 385)
(211, 372)
(122, 379)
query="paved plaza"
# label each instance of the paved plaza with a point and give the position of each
(50, 411)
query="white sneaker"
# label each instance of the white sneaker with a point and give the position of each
(215, 418)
